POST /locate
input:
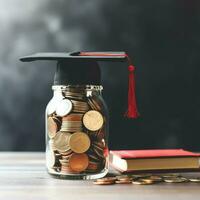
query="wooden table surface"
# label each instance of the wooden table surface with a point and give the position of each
(23, 176)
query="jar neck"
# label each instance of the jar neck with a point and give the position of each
(85, 90)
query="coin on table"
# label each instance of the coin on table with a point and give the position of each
(195, 180)
(78, 162)
(63, 107)
(170, 175)
(79, 142)
(137, 176)
(140, 182)
(123, 182)
(61, 141)
(147, 180)
(93, 120)
(53, 126)
(175, 180)
(105, 179)
(124, 178)
(156, 178)
(103, 183)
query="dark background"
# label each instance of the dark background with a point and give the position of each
(163, 38)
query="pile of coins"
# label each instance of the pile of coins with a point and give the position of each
(146, 179)
(76, 135)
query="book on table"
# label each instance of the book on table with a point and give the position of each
(156, 159)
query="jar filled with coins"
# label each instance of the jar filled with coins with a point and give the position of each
(77, 132)
(76, 116)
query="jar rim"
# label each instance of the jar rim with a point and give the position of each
(84, 87)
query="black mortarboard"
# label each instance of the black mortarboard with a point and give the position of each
(81, 68)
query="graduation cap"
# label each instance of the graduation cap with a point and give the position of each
(81, 68)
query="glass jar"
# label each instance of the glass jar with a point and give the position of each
(77, 132)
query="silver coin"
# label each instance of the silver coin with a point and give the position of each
(51, 107)
(175, 180)
(195, 180)
(64, 107)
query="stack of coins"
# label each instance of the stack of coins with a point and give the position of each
(146, 179)
(105, 181)
(74, 94)
(76, 134)
(80, 106)
(72, 123)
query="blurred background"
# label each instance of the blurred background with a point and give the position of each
(163, 39)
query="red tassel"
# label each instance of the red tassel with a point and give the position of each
(132, 111)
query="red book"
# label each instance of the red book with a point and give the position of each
(156, 159)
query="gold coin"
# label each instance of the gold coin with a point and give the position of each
(106, 179)
(147, 180)
(104, 183)
(93, 120)
(142, 183)
(123, 182)
(79, 142)
(78, 162)
(61, 141)
(53, 127)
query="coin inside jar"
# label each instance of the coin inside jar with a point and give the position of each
(61, 141)
(51, 107)
(53, 126)
(79, 142)
(64, 107)
(93, 120)
(78, 162)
